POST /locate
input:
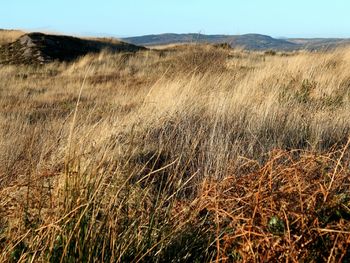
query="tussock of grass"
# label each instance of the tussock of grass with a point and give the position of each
(192, 155)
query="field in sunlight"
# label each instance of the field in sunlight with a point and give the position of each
(185, 154)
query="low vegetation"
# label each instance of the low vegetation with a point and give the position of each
(192, 154)
(8, 36)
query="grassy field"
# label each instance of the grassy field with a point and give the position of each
(188, 154)
(8, 36)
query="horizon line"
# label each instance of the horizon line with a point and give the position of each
(113, 35)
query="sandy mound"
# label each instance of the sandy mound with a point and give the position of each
(38, 48)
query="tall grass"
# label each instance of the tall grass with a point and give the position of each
(194, 154)
(8, 36)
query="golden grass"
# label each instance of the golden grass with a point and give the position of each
(8, 36)
(196, 154)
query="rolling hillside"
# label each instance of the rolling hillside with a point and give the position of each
(38, 48)
(247, 41)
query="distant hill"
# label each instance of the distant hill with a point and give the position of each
(247, 41)
(39, 48)
(320, 43)
(262, 42)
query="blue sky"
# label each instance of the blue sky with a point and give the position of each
(288, 18)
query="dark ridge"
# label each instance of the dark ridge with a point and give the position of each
(248, 41)
(262, 42)
(39, 48)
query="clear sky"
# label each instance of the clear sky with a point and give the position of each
(288, 18)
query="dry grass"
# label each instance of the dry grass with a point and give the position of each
(196, 154)
(8, 36)
(289, 210)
